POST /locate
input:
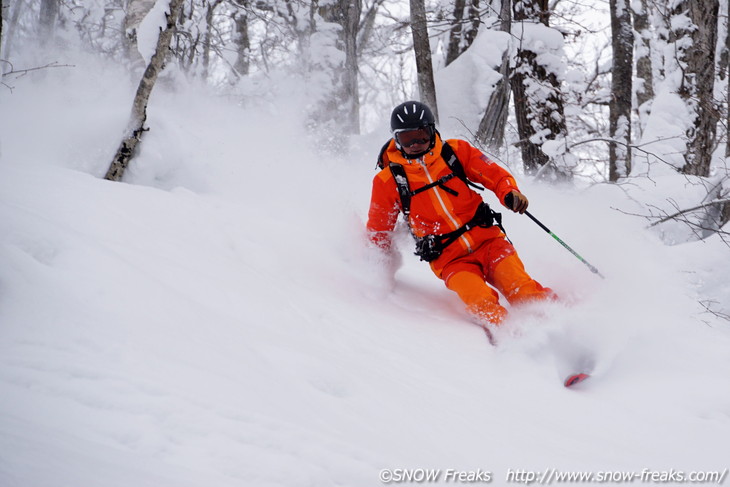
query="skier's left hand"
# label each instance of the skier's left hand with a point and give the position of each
(516, 201)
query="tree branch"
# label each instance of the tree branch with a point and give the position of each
(689, 210)
(22, 72)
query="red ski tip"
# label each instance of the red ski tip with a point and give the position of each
(573, 379)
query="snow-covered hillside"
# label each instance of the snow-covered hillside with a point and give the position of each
(218, 321)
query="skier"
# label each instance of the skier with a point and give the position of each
(429, 180)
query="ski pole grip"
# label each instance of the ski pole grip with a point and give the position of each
(509, 200)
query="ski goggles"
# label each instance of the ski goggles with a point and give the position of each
(408, 138)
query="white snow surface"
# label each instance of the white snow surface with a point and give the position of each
(217, 319)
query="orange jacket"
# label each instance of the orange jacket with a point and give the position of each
(436, 211)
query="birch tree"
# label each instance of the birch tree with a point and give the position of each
(136, 11)
(135, 128)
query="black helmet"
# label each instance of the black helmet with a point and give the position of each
(411, 115)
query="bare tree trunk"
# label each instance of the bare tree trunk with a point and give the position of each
(135, 127)
(724, 72)
(367, 24)
(10, 31)
(537, 98)
(622, 38)
(242, 39)
(346, 13)
(699, 81)
(454, 48)
(491, 127)
(208, 38)
(189, 42)
(475, 22)
(724, 211)
(724, 214)
(461, 38)
(715, 216)
(697, 57)
(47, 20)
(532, 157)
(422, 48)
(644, 73)
(352, 12)
(724, 58)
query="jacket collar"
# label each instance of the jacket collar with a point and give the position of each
(395, 155)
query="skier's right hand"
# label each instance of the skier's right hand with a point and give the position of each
(516, 201)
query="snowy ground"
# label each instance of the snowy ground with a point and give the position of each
(217, 320)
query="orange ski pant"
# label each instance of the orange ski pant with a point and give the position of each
(494, 262)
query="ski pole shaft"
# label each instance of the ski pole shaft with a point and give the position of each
(593, 269)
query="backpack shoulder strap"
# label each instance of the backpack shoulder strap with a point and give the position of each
(399, 176)
(448, 155)
(401, 180)
(404, 189)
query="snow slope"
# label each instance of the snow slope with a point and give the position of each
(217, 320)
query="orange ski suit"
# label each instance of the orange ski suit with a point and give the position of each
(479, 255)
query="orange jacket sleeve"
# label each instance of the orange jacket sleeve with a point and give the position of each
(384, 210)
(480, 169)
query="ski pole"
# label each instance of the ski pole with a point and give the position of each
(593, 269)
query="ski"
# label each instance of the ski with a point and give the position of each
(574, 379)
(582, 361)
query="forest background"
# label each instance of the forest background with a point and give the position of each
(582, 78)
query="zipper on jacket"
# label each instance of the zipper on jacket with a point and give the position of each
(443, 205)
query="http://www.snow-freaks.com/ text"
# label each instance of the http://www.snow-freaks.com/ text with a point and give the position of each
(549, 476)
